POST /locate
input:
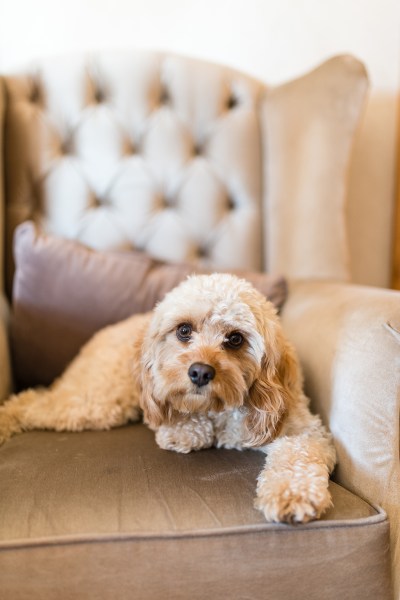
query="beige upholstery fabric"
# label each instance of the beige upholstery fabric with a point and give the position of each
(308, 133)
(166, 154)
(109, 515)
(348, 338)
(139, 149)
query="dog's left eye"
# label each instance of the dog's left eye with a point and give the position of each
(184, 332)
(234, 340)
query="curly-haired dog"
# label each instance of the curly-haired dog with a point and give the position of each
(209, 366)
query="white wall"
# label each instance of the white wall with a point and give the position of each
(271, 39)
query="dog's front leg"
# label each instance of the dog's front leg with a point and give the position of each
(187, 433)
(293, 486)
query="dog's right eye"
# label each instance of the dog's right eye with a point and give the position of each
(184, 332)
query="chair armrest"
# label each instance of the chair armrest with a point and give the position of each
(5, 363)
(348, 340)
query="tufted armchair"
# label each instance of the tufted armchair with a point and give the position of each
(193, 162)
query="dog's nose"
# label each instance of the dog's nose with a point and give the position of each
(201, 374)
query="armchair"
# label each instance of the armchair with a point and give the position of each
(190, 161)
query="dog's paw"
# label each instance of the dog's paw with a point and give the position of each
(3, 437)
(194, 433)
(8, 426)
(293, 499)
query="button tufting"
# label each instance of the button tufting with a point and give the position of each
(99, 96)
(95, 202)
(202, 252)
(34, 95)
(128, 148)
(66, 146)
(197, 149)
(142, 172)
(232, 102)
(164, 96)
(230, 203)
(167, 202)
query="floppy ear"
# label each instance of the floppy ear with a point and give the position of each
(155, 413)
(273, 392)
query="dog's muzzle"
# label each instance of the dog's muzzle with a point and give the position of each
(201, 374)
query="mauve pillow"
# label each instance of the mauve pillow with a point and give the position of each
(63, 292)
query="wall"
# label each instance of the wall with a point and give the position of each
(272, 39)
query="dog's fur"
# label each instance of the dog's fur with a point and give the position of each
(255, 400)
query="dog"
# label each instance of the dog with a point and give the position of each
(210, 366)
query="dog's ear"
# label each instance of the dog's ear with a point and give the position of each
(155, 413)
(273, 392)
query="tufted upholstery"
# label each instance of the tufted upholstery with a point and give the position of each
(126, 150)
(187, 160)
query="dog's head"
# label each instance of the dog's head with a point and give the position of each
(215, 343)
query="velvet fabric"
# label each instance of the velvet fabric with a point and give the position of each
(308, 131)
(348, 339)
(184, 159)
(106, 514)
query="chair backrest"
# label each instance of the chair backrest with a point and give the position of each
(184, 159)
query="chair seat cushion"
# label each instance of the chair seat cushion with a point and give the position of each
(110, 515)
